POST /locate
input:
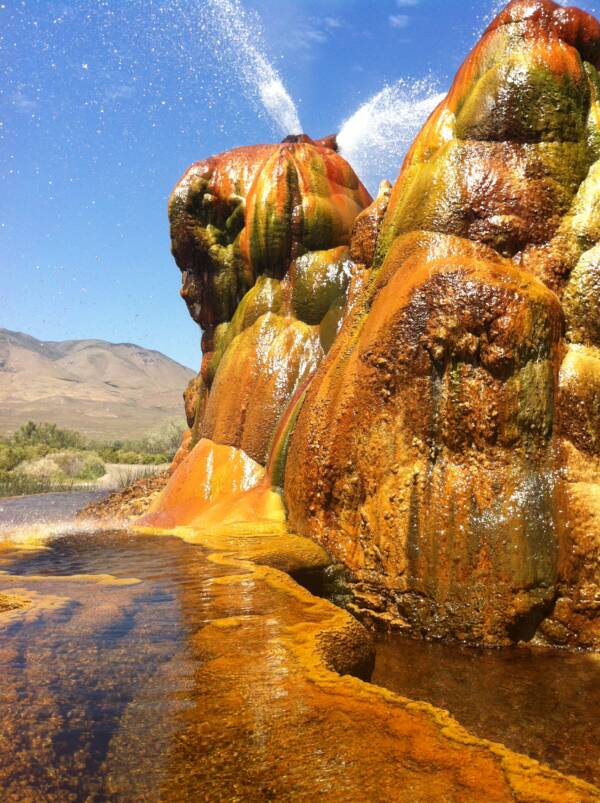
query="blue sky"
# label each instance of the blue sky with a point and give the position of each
(104, 103)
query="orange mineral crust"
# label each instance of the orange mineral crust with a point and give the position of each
(262, 235)
(447, 450)
(214, 486)
(419, 376)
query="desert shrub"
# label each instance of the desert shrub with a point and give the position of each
(44, 468)
(11, 454)
(41, 457)
(68, 464)
(13, 483)
(125, 456)
(79, 465)
(92, 469)
(50, 435)
(112, 455)
(165, 440)
(9, 457)
(129, 477)
(34, 441)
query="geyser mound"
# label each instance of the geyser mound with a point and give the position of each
(417, 377)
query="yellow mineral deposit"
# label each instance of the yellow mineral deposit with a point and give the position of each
(415, 377)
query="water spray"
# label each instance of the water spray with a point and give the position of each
(262, 84)
(377, 136)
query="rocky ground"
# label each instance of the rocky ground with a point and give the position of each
(132, 501)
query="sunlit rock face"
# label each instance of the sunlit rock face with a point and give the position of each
(420, 375)
(261, 235)
(447, 450)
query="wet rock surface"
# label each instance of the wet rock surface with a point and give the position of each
(261, 236)
(445, 450)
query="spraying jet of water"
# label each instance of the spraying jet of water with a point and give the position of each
(241, 35)
(377, 136)
(374, 139)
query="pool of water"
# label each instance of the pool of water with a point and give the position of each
(543, 703)
(141, 668)
(93, 677)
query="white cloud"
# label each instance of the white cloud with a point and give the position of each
(399, 20)
(313, 31)
(315, 35)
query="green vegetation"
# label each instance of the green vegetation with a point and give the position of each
(132, 475)
(40, 457)
(12, 483)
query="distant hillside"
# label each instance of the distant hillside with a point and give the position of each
(105, 390)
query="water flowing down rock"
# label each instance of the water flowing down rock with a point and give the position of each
(428, 454)
(262, 236)
(415, 383)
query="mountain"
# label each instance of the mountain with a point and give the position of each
(105, 390)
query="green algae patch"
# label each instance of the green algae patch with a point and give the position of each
(319, 279)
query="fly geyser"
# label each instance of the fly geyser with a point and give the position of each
(414, 382)
(262, 237)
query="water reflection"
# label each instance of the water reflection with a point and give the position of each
(543, 703)
(147, 668)
(98, 668)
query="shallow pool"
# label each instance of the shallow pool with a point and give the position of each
(146, 668)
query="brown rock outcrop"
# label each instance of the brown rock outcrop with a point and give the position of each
(438, 451)
(421, 375)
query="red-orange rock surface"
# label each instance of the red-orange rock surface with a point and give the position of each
(446, 450)
(421, 375)
(261, 235)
